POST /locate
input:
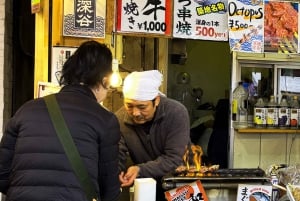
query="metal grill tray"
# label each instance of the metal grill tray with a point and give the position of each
(235, 172)
(225, 178)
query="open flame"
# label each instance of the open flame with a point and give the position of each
(192, 158)
(193, 166)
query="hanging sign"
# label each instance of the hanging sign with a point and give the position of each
(281, 27)
(142, 16)
(245, 23)
(84, 18)
(200, 19)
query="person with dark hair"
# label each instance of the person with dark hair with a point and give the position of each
(33, 163)
(155, 130)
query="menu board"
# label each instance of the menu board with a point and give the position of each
(144, 16)
(245, 23)
(200, 19)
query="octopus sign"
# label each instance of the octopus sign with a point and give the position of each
(263, 26)
(245, 23)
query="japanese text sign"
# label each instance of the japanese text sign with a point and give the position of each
(190, 192)
(200, 19)
(84, 18)
(144, 16)
(248, 192)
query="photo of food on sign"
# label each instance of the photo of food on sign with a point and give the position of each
(281, 27)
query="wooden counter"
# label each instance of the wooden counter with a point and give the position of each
(268, 130)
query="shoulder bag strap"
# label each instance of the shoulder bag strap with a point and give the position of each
(70, 148)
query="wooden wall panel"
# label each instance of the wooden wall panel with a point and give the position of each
(41, 45)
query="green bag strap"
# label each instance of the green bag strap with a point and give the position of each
(70, 148)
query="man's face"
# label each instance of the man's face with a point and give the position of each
(141, 111)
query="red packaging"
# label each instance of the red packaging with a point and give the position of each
(189, 192)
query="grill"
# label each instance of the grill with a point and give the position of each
(222, 178)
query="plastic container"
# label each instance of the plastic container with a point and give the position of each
(284, 114)
(272, 113)
(239, 107)
(295, 113)
(259, 114)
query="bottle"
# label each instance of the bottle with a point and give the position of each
(295, 113)
(275, 190)
(259, 116)
(239, 106)
(272, 113)
(284, 114)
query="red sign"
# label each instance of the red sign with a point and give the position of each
(142, 16)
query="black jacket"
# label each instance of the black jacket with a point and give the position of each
(33, 165)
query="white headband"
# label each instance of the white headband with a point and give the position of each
(142, 86)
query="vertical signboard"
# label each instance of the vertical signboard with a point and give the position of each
(200, 19)
(281, 27)
(84, 18)
(245, 24)
(144, 16)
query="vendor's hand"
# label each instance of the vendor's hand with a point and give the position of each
(127, 178)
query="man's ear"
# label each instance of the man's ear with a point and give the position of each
(157, 101)
(105, 82)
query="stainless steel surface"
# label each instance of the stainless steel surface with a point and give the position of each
(223, 178)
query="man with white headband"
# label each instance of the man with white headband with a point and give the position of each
(155, 130)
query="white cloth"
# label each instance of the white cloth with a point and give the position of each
(142, 86)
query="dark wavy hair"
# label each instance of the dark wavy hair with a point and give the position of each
(88, 65)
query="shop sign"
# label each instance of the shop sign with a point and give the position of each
(245, 24)
(200, 19)
(263, 26)
(144, 16)
(84, 18)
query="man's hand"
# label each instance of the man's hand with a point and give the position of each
(128, 178)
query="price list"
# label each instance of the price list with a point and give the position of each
(144, 16)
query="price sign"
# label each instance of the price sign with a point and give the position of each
(245, 22)
(144, 16)
(200, 19)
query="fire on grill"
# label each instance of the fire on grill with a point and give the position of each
(211, 176)
(193, 163)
